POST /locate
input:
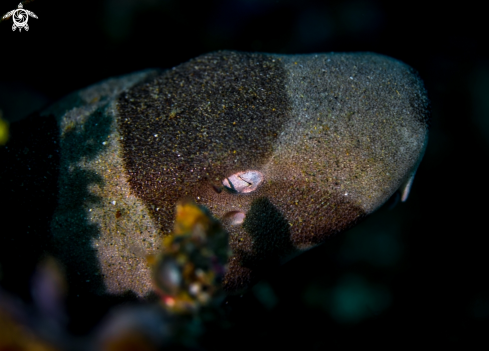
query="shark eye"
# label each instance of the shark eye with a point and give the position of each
(243, 182)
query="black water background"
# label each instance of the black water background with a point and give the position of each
(424, 263)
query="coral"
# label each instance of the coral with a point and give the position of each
(189, 271)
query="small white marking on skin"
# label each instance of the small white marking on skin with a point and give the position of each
(234, 217)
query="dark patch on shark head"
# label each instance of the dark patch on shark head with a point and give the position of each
(199, 122)
(282, 220)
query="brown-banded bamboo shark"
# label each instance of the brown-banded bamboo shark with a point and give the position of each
(285, 150)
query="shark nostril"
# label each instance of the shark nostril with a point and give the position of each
(243, 182)
(216, 189)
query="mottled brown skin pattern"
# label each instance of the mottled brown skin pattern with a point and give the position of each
(202, 121)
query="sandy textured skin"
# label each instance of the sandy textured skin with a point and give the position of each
(100, 230)
(329, 138)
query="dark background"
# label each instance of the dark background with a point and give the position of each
(413, 274)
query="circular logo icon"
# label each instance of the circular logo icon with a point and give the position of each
(20, 17)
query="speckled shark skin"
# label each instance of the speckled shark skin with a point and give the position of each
(285, 149)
